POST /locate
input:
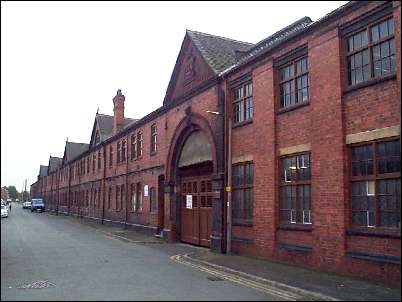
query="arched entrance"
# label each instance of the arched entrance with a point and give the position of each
(195, 171)
(191, 166)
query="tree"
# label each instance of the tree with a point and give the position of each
(12, 191)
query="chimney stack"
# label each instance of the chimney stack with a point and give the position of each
(118, 109)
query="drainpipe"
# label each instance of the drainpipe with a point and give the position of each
(229, 190)
(58, 196)
(69, 190)
(125, 221)
(104, 183)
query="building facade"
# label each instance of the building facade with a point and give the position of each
(299, 133)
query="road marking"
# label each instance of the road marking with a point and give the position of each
(274, 284)
(240, 280)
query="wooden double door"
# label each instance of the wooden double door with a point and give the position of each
(196, 209)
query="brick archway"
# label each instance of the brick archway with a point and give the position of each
(191, 123)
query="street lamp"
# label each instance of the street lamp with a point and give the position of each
(228, 189)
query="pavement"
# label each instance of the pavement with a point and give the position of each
(294, 283)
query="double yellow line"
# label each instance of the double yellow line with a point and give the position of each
(239, 280)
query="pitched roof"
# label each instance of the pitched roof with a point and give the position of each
(42, 171)
(73, 150)
(288, 32)
(271, 41)
(54, 163)
(218, 52)
(105, 123)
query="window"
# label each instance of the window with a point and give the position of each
(87, 199)
(93, 163)
(117, 197)
(371, 52)
(376, 182)
(242, 197)
(294, 83)
(133, 146)
(243, 103)
(99, 160)
(95, 197)
(88, 165)
(139, 144)
(153, 138)
(133, 197)
(110, 156)
(295, 185)
(152, 200)
(118, 152)
(109, 197)
(123, 197)
(123, 150)
(138, 206)
(99, 198)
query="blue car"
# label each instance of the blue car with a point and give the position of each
(37, 205)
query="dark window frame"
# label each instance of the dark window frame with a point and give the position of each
(369, 47)
(242, 103)
(153, 202)
(110, 156)
(109, 197)
(117, 197)
(133, 146)
(118, 159)
(139, 144)
(247, 213)
(154, 139)
(292, 63)
(123, 150)
(375, 177)
(297, 183)
(99, 160)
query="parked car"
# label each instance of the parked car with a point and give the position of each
(37, 204)
(26, 205)
(4, 211)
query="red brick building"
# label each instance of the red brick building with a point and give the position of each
(309, 119)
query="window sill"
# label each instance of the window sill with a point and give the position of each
(242, 123)
(375, 257)
(152, 154)
(294, 248)
(374, 233)
(369, 83)
(242, 223)
(294, 107)
(136, 158)
(295, 227)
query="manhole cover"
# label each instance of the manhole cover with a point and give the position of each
(213, 278)
(37, 284)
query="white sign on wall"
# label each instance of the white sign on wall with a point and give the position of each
(189, 201)
(146, 190)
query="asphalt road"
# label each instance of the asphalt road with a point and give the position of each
(82, 264)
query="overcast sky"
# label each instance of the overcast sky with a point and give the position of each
(60, 61)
